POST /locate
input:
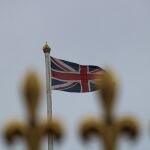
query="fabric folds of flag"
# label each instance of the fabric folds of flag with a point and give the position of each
(72, 77)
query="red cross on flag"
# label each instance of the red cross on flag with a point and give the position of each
(72, 77)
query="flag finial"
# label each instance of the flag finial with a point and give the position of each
(46, 48)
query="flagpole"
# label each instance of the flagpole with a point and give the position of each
(46, 50)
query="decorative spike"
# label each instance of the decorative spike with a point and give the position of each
(107, 90)
(32, 92)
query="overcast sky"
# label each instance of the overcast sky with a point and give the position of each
(112, 33)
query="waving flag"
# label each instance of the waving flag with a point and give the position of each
(72, 77)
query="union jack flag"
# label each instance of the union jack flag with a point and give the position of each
(72, 77)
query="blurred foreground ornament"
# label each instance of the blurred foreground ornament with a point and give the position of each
(33, 131)
(109, 128)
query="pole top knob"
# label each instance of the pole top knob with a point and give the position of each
(46, 48)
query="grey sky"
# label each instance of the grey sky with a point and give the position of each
(113, 33)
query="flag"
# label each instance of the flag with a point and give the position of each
(72, 77)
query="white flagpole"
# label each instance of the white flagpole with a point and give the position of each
(46, 50)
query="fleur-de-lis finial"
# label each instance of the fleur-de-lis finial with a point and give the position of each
(109, 127)
(32, 131)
